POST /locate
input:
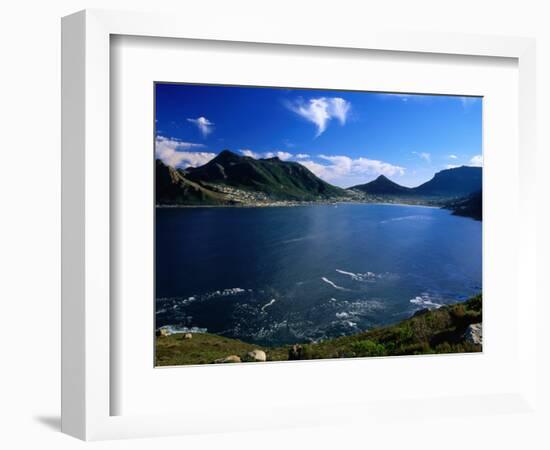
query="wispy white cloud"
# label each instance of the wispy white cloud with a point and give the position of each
(203, 124)
(453, 157)
(320, 111)
(323, 171)
(302, 156)
(477, 160)
(424, 155)
(177, 154)
(250, 153)
(279, 154)
(451, 166)
(339, 108)
(346, 171)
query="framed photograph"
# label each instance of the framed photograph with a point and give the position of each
(289, 247)
(321, 211)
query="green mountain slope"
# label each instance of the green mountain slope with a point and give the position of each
(173, 188)
(278, 180)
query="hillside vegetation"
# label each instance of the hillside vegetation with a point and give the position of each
(173, 188)
(428, 331)
(280, 180)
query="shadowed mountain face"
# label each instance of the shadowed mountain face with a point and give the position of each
(382, 186)
(173, 188)
(449, 183)
(471, 206)
(457, 182)
(278, 180)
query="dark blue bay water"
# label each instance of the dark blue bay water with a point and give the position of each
(297, 274)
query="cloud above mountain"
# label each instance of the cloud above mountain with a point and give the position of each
(179, 154)
(341, 170)
(320, 111)
(477, 160)
(203, 124)
(282, 155)
(425, 156)
(345, 171)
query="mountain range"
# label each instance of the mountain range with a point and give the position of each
(448, 183)
(232, 179)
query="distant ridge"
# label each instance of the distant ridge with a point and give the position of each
(455, 182)
(449, 183)
(382, 186)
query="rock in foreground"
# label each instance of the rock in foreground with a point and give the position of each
(474, 334)
(228, 359)
(256, 355)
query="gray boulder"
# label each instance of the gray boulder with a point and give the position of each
(163, 331)
(474, 334)
(228, 359)
(256, 355)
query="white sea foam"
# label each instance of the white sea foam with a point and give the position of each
(367, 276)
(413, 217)
(335, 286)
(268, 304)
(291, 241)
(426, 301)
(181, 302)
(225, 292)
(342, 315)
(343, 272)
(173, 329)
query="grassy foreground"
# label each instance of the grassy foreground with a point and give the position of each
(436, 331)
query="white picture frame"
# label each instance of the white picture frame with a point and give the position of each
(87, 324)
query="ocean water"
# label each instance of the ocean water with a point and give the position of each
(284, 275)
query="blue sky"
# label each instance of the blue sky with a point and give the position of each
(344, 137)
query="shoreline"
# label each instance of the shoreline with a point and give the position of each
(454, 328)
(178, 329)
(298, 204)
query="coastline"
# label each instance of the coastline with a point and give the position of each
(454, 328)
(298, 204)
